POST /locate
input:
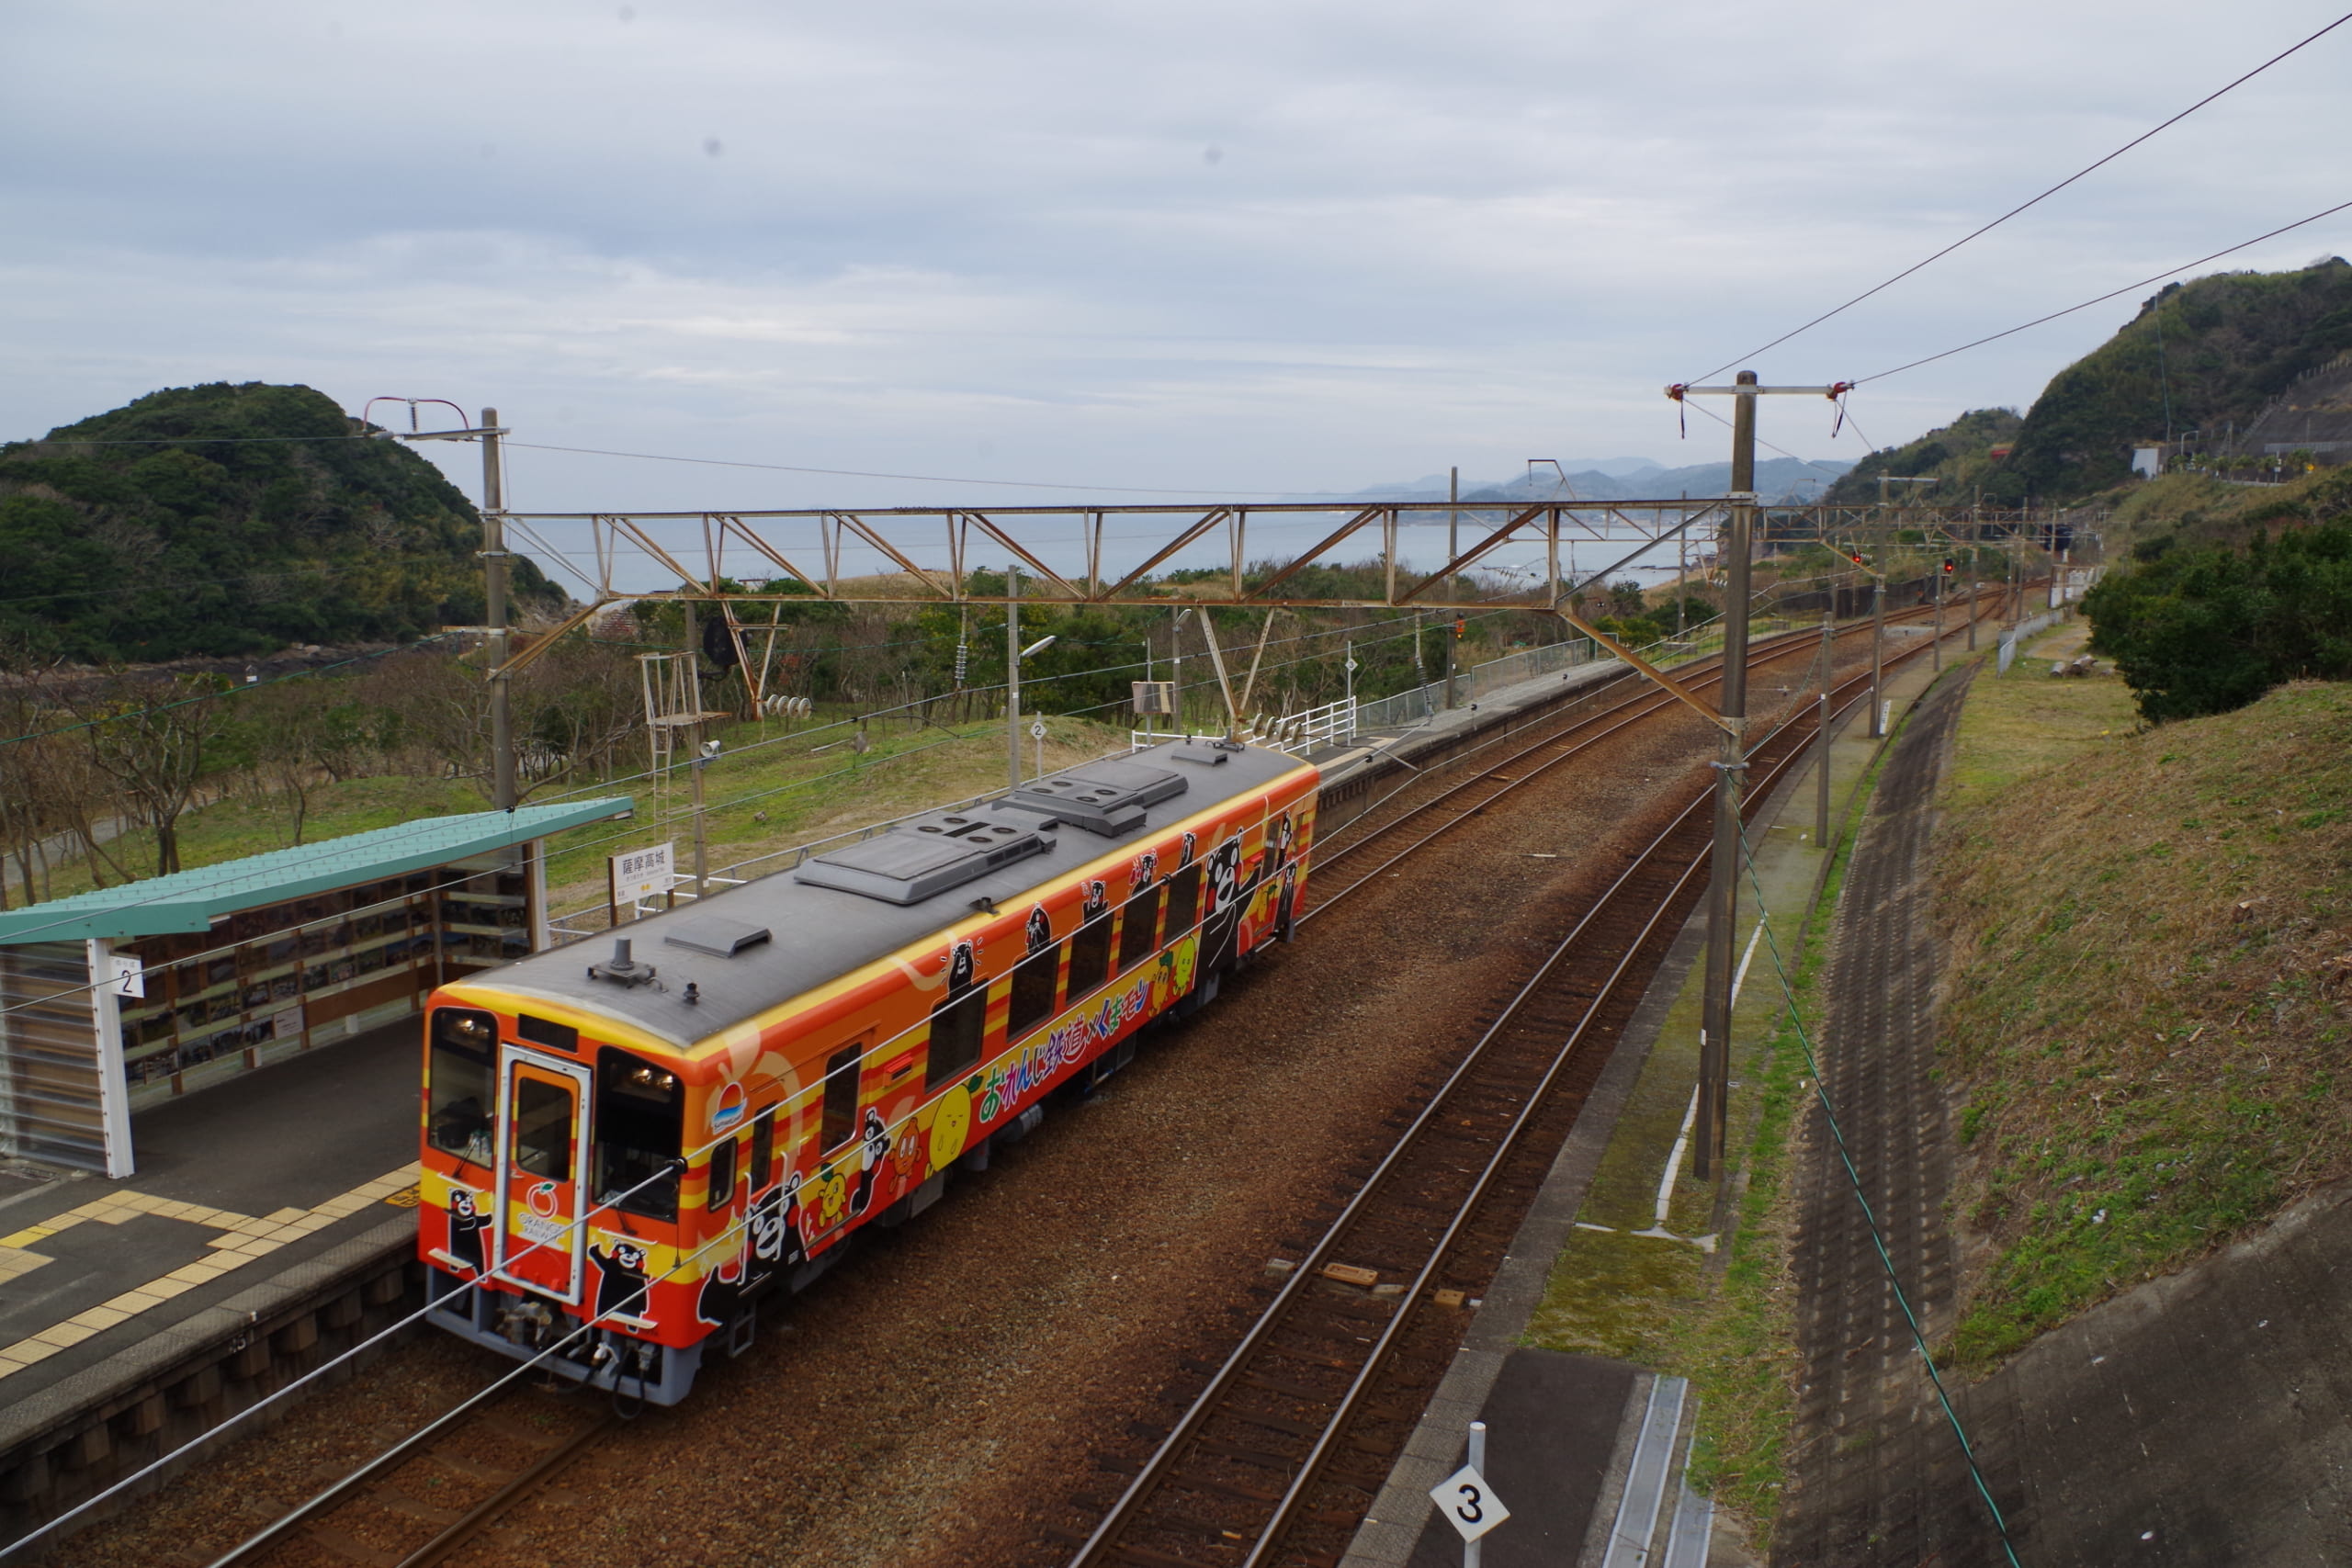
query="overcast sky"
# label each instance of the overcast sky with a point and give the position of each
(1210, 246)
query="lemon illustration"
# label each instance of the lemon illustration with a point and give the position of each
(951, 1124)
(832, 1193)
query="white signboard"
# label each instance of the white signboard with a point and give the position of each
(128, 977)
(1036, 729)
(1468, 1504)
(643, 874)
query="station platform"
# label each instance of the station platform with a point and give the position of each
(239, 1189)
(1589, 1451)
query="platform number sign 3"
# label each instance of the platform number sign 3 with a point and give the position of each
(1468, 1504)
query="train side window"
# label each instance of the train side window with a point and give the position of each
(640, 1125)
(762, 1150)
(1139, 938)
(1089, 956)
(841, 1095)
(1184, 901)
(1031, 1000)
(955, 1032)
(722, 1176)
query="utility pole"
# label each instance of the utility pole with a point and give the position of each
(1821, 730)
(1176, 660)
(493, 572)
(1877, 648)
(1976, 571)
(1726, 862)
(1453, 548)
(1012, 675)
(694, 740)
(1935, 649)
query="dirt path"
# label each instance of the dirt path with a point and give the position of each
(1878, 1476)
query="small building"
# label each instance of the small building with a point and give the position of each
(121, 998)
(2148, 460)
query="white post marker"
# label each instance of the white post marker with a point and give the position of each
(1037, 733)
(1468, 1504)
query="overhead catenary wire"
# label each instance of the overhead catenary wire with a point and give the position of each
(2110, 294)
(2033, 201)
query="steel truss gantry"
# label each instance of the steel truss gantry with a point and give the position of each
(927, 555)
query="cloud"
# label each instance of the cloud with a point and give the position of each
(939, 238)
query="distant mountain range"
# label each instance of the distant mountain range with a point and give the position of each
(1615, 478)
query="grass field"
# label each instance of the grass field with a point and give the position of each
(760, 798)
(2148, 950)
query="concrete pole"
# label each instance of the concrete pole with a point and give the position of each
(1176, 662)
(1723, 887)
(493, 572)
(1935, 653)
(694, 748)
(1878, 651)
(1012, 675)
(1453, 548)
(1821, 732)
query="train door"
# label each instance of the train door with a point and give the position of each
(542, 1137)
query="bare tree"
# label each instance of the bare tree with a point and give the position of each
(148, 737)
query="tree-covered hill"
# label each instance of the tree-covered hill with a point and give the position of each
(225, 519)
(2214, 350)
(1958, 456)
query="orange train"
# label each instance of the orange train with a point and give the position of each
(621, 1158)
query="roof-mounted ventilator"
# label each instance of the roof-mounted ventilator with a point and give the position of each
(720, 939)
(1105, 798)
(622, 969)
(929, 854)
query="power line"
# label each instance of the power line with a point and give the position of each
(2100, 299)
(2021, 207)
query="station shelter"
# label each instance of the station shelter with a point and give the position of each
(125, 997)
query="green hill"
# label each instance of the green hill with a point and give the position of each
(1958, 456)
(225, 519)
(2216, 349)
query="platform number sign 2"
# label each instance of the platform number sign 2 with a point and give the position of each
(1468, 1504)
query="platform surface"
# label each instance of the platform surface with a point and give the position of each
(234, 1185)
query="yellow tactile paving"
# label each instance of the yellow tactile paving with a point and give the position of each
(242, 1238)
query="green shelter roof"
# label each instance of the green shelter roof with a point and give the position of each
(191, 901)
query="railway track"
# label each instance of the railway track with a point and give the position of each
(416, 1504)
(1287, 1443)
(423, 1500)
(1373, 850)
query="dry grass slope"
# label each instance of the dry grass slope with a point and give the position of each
(2150, 947)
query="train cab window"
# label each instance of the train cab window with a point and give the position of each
(722, 1176)
(1031, 1000)
(955, 1030)
(542, 1129)
(841, 1095)
(1184, 900)
(1139, 936)
(639, 1128)
(762, 1150)
(1089, 956)
(460, 1083)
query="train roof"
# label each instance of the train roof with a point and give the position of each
(818, 933)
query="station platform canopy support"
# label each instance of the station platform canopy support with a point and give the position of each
(124, 997)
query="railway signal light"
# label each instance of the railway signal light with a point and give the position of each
(1459, 623)
(1854, 555)
(1948, 567)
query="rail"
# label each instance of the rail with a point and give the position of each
(1223, 1497)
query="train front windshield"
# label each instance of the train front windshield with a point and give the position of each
(461, 1083)
(640, 1125)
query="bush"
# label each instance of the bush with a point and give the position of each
(2201, 631)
